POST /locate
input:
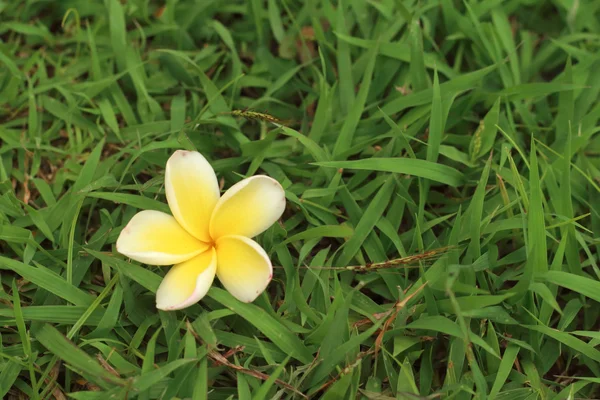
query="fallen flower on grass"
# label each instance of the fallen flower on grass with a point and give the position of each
(207, 234)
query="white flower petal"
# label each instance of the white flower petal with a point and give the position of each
(153, 237)
(243, 267)
(192, 191)
(248, 208)
(186, 283)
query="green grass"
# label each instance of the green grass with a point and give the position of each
(417, 125)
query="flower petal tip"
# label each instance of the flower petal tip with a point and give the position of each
(168, 307)
(187, 283)
(244, 268)
(181, 153)
(164, 307)
(192, 191)
(248, 208)
(155, 238)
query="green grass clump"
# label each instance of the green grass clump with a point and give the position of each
(462, 128)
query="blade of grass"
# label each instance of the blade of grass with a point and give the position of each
(421, 168)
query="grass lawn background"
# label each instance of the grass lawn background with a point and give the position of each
(461, 129)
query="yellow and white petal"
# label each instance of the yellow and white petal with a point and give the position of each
(248, 208)
(186, 283)
(243, 267)
(153, 237)
(192, 191)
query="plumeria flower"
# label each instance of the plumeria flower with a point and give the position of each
(207, 235)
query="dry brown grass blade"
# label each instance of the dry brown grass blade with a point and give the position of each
(223, 361)
(347, 369)
(219, 358)
(56, 391)
(396, 262)
(107, 366)
(393, 313)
